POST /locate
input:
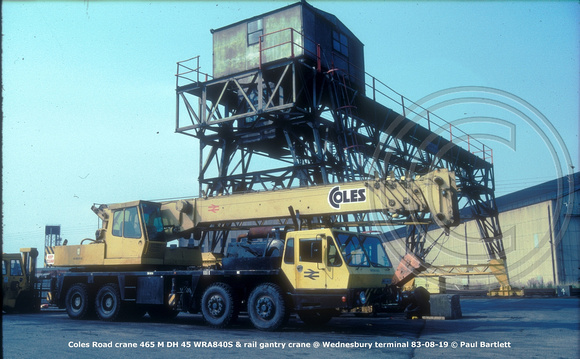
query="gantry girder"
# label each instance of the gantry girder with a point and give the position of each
(297, 122)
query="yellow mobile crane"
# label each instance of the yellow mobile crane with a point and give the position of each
(313, 268)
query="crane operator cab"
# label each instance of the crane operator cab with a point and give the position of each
(132, 234)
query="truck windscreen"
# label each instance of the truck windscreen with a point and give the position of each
(362, 250)
(374, 248)
(351, 249)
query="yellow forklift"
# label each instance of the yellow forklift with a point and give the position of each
(19, 293)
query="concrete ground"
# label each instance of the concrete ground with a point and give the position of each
(491, 327)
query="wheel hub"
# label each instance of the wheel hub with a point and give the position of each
(108, 303)
(77, 301)
(265, 308)
(216, 306)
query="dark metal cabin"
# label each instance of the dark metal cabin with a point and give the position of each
(295, 31)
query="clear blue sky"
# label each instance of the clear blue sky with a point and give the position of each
(89, 100)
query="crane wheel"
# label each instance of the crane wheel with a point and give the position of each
(218, 305)
(420, 305)
(77, 301)
(108, 302)
(267, 307)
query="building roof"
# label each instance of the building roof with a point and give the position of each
(329, 17)
(550, 190)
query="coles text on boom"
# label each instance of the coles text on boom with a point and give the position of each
(336, 196)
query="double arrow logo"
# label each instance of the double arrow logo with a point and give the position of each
(311, 274)
(213, 208)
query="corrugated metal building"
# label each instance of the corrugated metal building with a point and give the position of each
(541, 233)
(297, 30)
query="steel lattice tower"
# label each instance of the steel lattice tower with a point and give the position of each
(303, 115)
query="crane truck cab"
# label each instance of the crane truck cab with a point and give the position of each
(18, 281)
(322, 271)
(329, 268)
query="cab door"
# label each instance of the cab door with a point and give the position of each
(312, 260)
(310, 269)
(127, 241)
(133, 241)
(337, 274)
(13, 279)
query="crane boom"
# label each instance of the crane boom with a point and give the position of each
(434, 193)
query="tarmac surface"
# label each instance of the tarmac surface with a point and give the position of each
(490, 327)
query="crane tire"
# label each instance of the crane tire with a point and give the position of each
(267, 307)
(78, 301)
(108, 302)
(218, 305)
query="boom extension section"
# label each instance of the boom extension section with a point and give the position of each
(431, 196)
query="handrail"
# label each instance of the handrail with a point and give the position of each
(423, 115)
(376, 90)
(184, 70)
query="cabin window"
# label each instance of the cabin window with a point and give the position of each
(333, 256)
(340, 42)
(3, 268)
(352, 250)
(311, 250)
(375, 250)
(289, 255)
(131, 225)
(126, 223)
(152, 221)
(15, 268)
(118, 223)
(255, 30)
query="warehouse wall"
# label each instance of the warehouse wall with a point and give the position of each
(567, 238)
(527, 242)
